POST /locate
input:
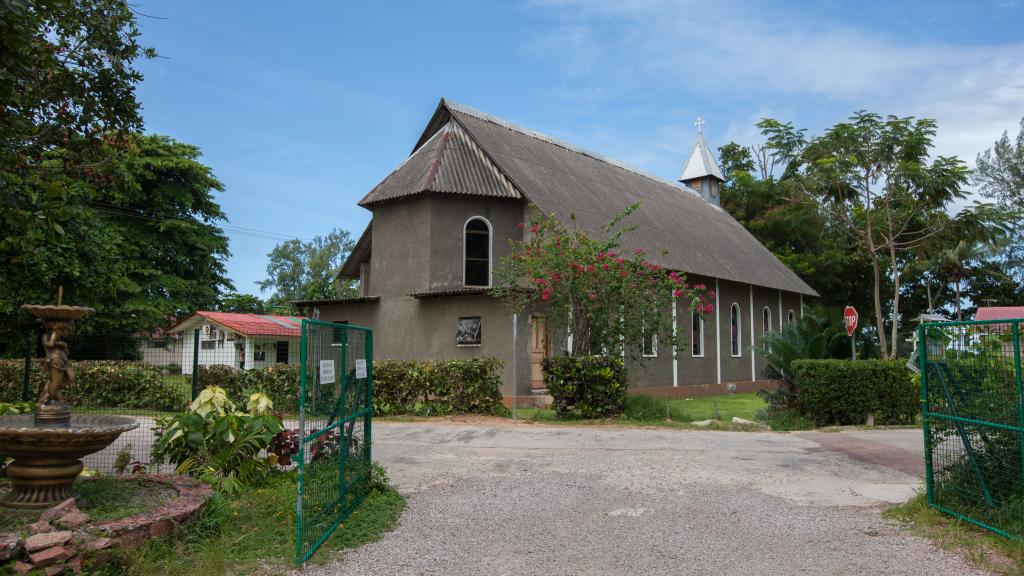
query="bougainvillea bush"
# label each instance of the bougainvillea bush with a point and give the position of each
(608, 300)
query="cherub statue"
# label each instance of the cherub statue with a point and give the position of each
(57, 362)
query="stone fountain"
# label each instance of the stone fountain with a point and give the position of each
(48, 446)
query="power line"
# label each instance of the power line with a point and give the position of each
(228, 228)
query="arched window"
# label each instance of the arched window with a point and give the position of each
(766, 320)
(477, 271)
(736, 336)
(697, 335)
(791, 316)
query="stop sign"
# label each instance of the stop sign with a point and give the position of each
(850, 319)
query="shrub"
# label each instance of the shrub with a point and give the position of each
(100, 383)
(641, 407)
(845, 392)
(280, 382)
(588, 386)
(217, 444)
(470, 386)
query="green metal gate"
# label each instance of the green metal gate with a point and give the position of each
(973, 407)
(335, 412)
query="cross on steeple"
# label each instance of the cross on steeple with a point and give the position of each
(700, 125)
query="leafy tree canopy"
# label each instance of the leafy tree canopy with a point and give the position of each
(142, 249)
(308, 270)
(244, 303)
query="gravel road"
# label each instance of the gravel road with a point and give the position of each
(551, 500)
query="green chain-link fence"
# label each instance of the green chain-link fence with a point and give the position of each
(335, 406)
(973, 410)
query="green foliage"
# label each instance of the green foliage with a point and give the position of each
(588, 386)
(17, 408)
(280, 382)
(642, 407)
(100, 384)
(787, 420)
(217, 444)
(142, 246)
(812, 336)
(1000, 177)
(300, 270)
(605, 300)
(242, 303)
(845, 392)
(469, 386)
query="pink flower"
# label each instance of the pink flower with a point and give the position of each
(606, 266)
(711, 293)
(624, 274)
(590, 268)
(686, 286)
(638, 251)
(540, 281)
(545, 294)
(520, 225)
(534, 228)
(699, 287)
(591, 295)
(677, 293)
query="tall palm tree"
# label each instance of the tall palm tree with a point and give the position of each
(954, 264)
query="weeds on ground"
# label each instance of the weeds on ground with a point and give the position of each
(982, 548)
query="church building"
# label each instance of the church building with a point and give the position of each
(443, 219)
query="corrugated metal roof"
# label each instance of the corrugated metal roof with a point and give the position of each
(559, 178)
(701, 163)
(246, 324)
(449, 162)
(999, 312)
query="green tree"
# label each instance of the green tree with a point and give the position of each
(877, 177)
(142, 249)
(1000, 177)
(245, 303)
(308, 270)
(605, 300)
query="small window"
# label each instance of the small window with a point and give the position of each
(469, 332)
(650, 343)
(697, 335)
(260, 356)
(207, 344)
(766, 320)
(735, 323)
(791, 316)
(282, 352)
(477, 253)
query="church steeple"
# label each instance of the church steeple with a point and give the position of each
(701, 172)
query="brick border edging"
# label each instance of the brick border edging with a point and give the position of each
(133, 530)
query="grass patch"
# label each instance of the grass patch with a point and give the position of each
(982, 548)
(785, 420)
(101, 498)
(671, 412)
(255, 534)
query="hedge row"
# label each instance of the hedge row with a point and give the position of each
(102, 384)
(280, 382)
(471, 386)
(845, 392)
(588, 386)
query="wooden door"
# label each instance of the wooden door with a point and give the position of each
(539, 350)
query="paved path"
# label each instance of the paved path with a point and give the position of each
(524, 500)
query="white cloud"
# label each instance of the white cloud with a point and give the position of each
(780, 64)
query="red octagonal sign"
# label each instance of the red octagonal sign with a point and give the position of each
(850, 319)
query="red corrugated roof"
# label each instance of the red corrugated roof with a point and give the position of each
(999, 312)
(256, 324)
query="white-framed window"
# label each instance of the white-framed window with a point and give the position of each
(650, 343)
(696, 334)
(791, 316)
(476, 270)
(736, 324)
(469, 332)
(766, 320)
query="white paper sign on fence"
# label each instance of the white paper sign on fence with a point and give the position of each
(360, 367)
(327, 371)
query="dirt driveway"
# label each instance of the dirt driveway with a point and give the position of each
(552, 500)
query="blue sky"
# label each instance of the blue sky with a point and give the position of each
(301, 108)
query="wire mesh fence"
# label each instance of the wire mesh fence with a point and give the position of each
(974, 422)
(144, 377)
(334, 426)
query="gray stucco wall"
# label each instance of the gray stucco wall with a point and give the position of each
(448, 217)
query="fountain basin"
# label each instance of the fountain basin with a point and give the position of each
(47, 460)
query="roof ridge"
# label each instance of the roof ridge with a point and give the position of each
(470, 111)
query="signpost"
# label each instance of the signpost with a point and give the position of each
(850, 319)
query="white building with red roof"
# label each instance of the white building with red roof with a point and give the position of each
(244, 341)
